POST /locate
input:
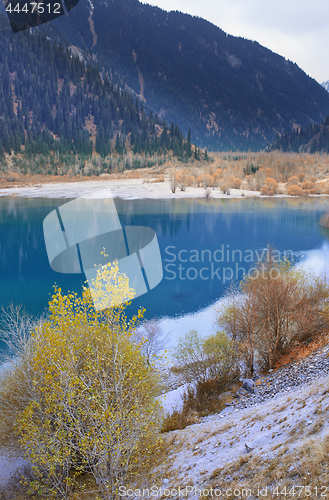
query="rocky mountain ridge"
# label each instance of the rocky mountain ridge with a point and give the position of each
(233, 93)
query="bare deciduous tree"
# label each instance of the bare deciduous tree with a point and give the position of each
(279, 306)
(152, 339)
(173, 181)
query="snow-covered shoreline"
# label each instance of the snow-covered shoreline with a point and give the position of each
(131, 189)
(126, 189)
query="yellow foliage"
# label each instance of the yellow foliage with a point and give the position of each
(92, 408)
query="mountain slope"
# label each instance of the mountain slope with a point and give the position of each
(52, 101)
(279, 445)
(232, 92)
(278, 435)
(325, 85)
(310, 140)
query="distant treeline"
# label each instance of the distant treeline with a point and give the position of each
(310, 140)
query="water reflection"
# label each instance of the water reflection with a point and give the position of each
(192, 279)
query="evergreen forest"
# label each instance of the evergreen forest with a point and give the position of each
(52, 101)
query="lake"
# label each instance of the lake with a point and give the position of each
(204, 244)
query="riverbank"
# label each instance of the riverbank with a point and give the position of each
(241, 174)
(119, 186)
(126, 189)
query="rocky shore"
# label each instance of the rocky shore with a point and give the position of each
(284, 379)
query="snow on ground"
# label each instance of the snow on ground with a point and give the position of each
(127, 189)
(8, 466)
(172, 400)
(316, 261)
(219, 440)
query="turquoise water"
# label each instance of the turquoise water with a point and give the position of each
(204, 244)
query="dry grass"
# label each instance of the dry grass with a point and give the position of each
(270, 173)
(300, 457)
(179, 420)
(208, 398)
(305, 466)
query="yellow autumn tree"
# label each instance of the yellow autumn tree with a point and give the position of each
(91, 421)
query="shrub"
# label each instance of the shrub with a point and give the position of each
(294, 190)
(235, 182)
(198, 180)
(83, 401)
(201, 359)
(16, 327)
(314, 191)
(152, 340)
(270, 187)
(198, 401)
(178, 420)
(265, 190)
(293, 180)
(183, 179)
(204, 398)
(272, 183)
(159, 179)
(308, 185)
(207, 180)
(217, 175)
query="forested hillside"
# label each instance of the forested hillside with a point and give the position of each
(52, 100)
(232, 92)
(311, 140)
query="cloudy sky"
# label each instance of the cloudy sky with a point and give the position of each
(295, 29)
